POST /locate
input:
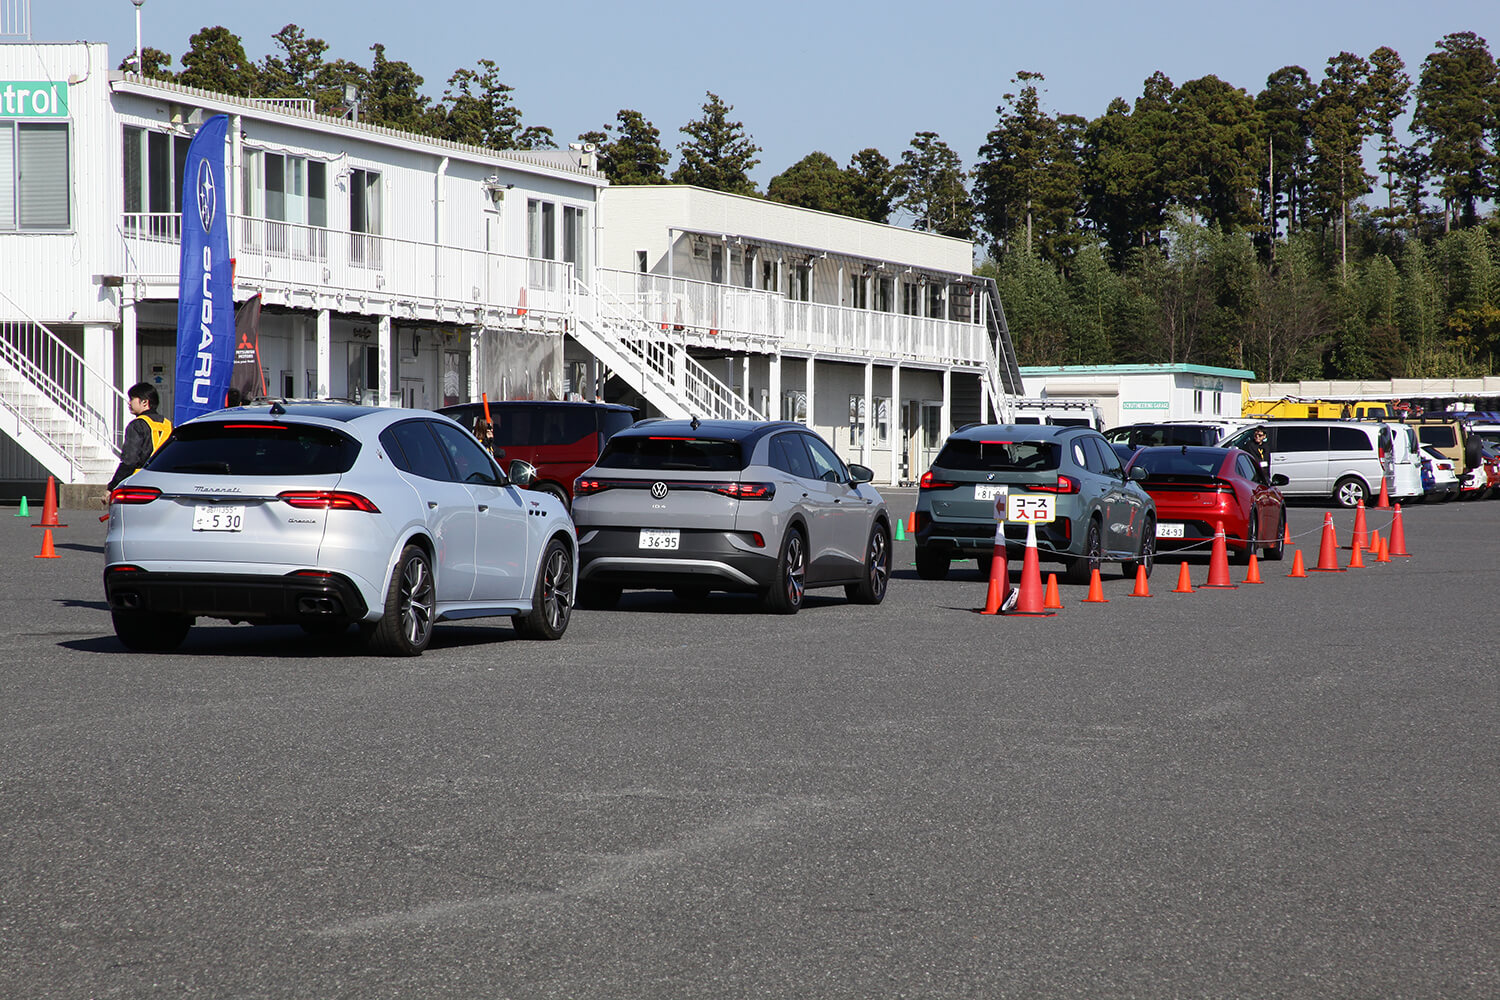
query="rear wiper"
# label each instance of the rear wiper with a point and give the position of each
(202, 467)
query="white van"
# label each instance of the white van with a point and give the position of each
(1406, 464)
(1340, 459)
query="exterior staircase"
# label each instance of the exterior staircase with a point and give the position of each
(1002, 374)
(641, 355)
(66, 415)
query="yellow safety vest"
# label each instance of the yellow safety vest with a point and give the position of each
(159, 431)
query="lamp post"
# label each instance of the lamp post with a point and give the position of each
(139, 69)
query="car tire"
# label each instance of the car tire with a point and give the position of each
(598, 596)
(406, 624)
(1081, 567)
(1252, 542)
(1275, 550)
(150, 632)
(552, 598)
(790, 585)
(1349, 491)
(931, 565)
(1146, 554)
(877, 569)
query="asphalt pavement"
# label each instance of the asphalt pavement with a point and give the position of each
(1283, 790)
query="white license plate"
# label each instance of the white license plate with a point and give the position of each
(659, 538)
(213, 517)
(988, 491)
(1167, 530)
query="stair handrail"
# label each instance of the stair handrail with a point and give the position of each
(706, 395)
(79, 379)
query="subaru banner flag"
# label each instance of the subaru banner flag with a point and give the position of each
(205, 300)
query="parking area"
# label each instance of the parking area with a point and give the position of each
(1287, 789)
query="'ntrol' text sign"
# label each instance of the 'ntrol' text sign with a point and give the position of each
(33, 99)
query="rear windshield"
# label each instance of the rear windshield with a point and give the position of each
(998, 456)
(255, 449)
(1180, 462)
(677, 453)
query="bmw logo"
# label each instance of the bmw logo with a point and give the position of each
(658, 490)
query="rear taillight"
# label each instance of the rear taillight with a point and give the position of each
(326, 500)
(744, 491)
(583, 487)
(133, 494)
(927, 482)
(1064, 484)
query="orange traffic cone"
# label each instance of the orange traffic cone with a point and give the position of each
(1384, 502)
(49, 507)
(1298, 570)
(1252, 575)
(994, 599)
(1096, 590)
(48, 552)
(1398, 536)
(911, 523)
(1383, 552)
(1184, 581)
(1328, 560)
(1029, 600)
(1286, 533)
(1142, 587)
(1361, 537)
(1053, 600)
(1374, 545)
(1356, 560)
(1218, 562)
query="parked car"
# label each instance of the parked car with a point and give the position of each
(1340, 459)
(1450, 434)
(1439, 480)
(1197, 489)
(1406, 463)
(558, 439)
(1101, 514)
(327, 515)
(699, 506)
(1149, 435)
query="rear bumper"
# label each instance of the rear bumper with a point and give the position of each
(241, 597)
(975, 539)
(719, 560)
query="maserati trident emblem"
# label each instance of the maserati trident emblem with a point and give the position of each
(207, 195)
(658, 490)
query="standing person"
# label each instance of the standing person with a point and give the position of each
(485, 432)
(1259, 450)
(144, 434)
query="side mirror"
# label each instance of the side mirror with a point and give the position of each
(1279, 480)
(860, 473)
(1138, 474)
(521, 474)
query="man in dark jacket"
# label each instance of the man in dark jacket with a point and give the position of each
(144, 434)
(1259, 450)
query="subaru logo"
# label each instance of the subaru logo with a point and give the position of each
(207, 195)
(658, 490)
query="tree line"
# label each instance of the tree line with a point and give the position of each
(1196, 223)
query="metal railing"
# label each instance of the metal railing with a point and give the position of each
(66, 385)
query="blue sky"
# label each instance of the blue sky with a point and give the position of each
(811, 75)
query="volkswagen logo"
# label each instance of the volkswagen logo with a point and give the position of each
(658, 490)
(207, 195)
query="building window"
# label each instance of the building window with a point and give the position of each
(154, 162)
(911, 299)
(364, 218)
(291, 194)
(541, 241)
(857, 421)
(859, 287)
(935, 303)
(799, 283)
(1218, 403)
(575, 239)
(883, 294)
(1197, 400)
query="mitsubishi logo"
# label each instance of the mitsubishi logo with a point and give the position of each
(207, 195)
(658, 490)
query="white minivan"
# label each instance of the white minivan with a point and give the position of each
(1341, 459)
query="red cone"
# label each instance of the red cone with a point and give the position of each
(49, 507)
(1398, 536)
(1184, 581)
(1299, 572)
(1383, 552)
(1218, 562)
(1142, 585)
(1384, 502)
(48, 552)
(1029, 601)
(1361, 536)
(999, 576)
(1052, 600)
(1252, 575)
(1096, 590)
(1328, 559)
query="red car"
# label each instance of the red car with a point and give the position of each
(1196, 488)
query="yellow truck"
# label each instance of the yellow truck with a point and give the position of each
(1288, 408)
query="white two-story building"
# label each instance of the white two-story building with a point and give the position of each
(402, 270)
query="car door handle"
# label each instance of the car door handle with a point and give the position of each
(483, 507)
(432, 505)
